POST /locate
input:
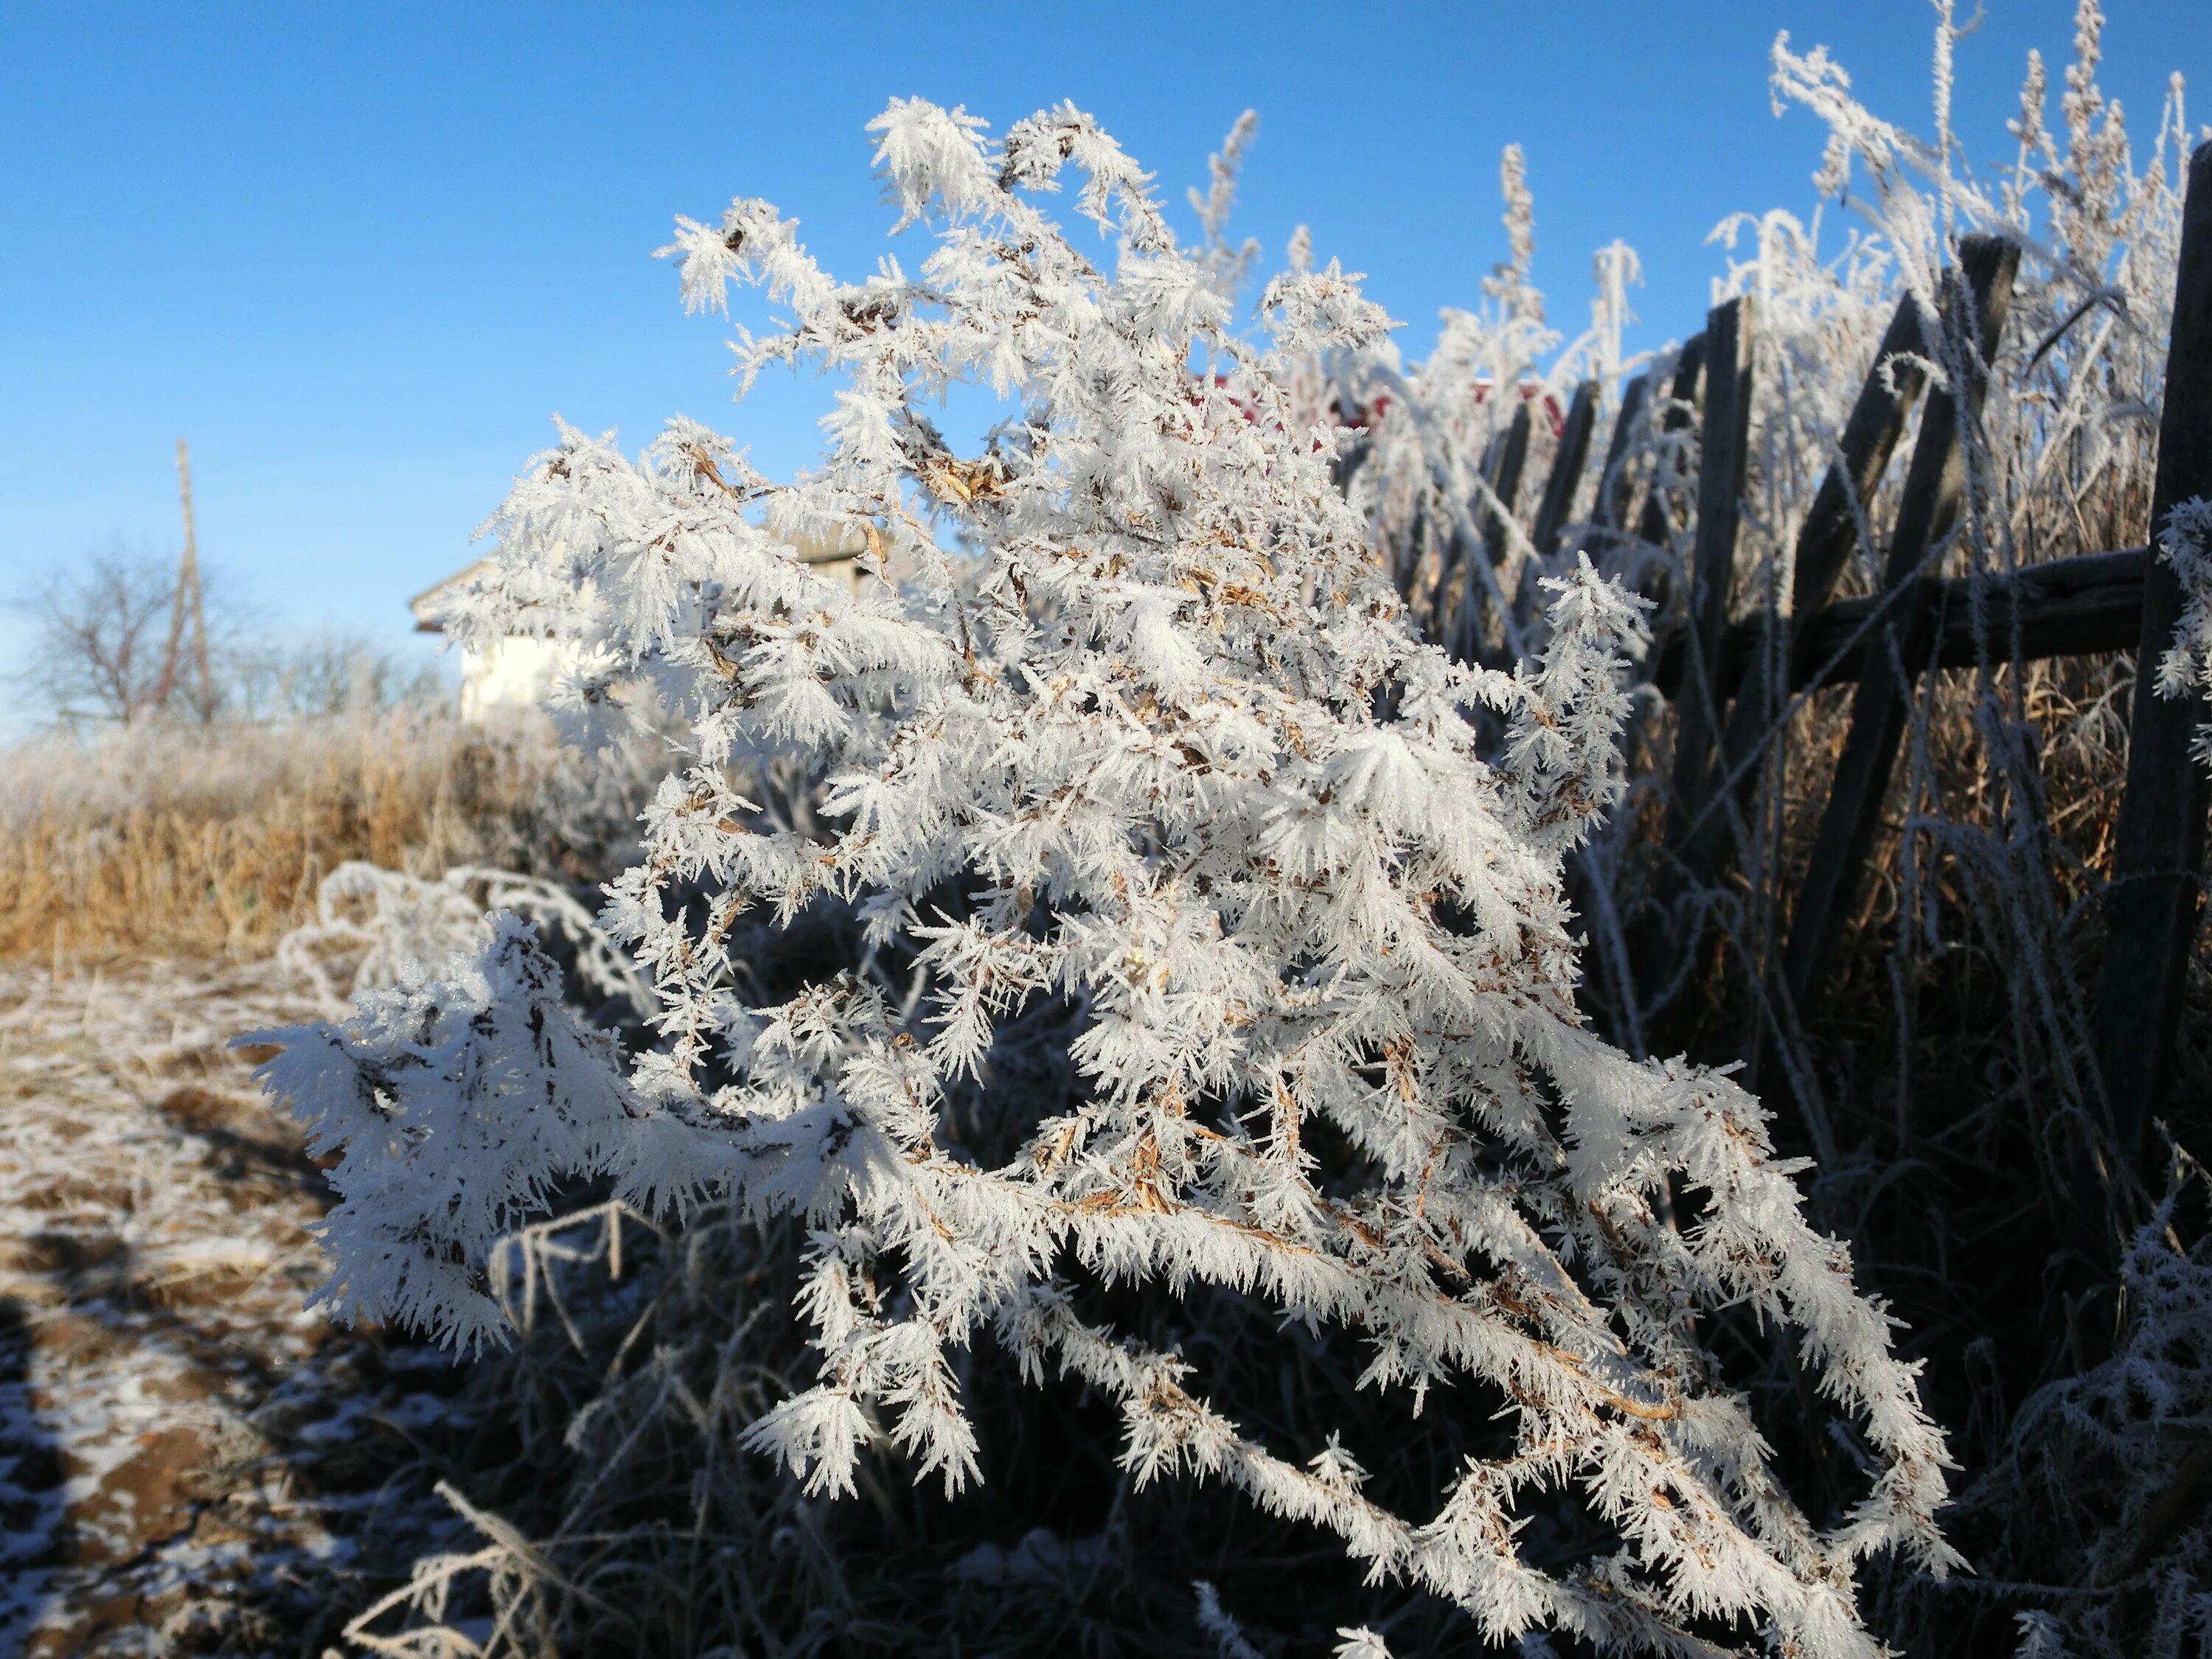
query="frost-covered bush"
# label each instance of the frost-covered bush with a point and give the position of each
(1123, 719)
(372, 926)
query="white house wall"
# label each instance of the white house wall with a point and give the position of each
(510, 674)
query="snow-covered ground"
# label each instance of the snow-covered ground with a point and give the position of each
(189, 1461)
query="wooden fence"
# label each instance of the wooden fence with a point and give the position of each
(1730, 682)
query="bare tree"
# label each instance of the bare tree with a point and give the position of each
(98, 653)
(323, 674)
(104, 629)
(99, 625)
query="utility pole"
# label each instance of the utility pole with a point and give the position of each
(187, 594)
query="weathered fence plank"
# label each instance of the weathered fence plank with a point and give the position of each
(1724, 457)
(1504, 481)
(1825, 541)
(2151, 907)
(1569, 457)
(1978, 294)
(1655, 524)
(1508, 457)
(1608, 509)
(1567, 464)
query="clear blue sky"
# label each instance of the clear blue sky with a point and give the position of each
(360, 255)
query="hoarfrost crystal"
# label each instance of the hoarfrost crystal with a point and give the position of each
(1122, 714)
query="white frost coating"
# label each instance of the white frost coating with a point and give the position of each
(374, 926)
(1160, 743)
(2185, 669)
(1227, 1635)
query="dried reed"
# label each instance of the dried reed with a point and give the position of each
(157, 842)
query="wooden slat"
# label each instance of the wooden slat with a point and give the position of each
(1407, 575)
(1826, 539)
(1978, 296)
(1444, 595)
(1351, 455)
(1505, 481)
(1455, 602)
(2151, 907)
(1655, 524)
(1450, 596)
(1657, 952)
(1609, 510)
(1503, 465)
(1567, 464)
(1723, 456)
(1569, 457)
(2086, 605)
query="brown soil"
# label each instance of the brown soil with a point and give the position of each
(189, 1461)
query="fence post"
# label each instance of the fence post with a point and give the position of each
(1830, 530)
(2151, 906)
(1567, 464)
(1505, 481)
(1508, 457)
(1610, 508)
(1556, 502)
(1934, 486)
(1655, 524)
(1723, 458)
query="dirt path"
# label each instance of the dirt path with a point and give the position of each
(189, 1461)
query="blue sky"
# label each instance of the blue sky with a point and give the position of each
(360, 256)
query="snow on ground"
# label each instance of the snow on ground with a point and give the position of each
(189, 1461)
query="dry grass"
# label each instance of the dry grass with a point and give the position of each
(155, 842)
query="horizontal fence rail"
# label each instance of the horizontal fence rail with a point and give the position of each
(2083, 606)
